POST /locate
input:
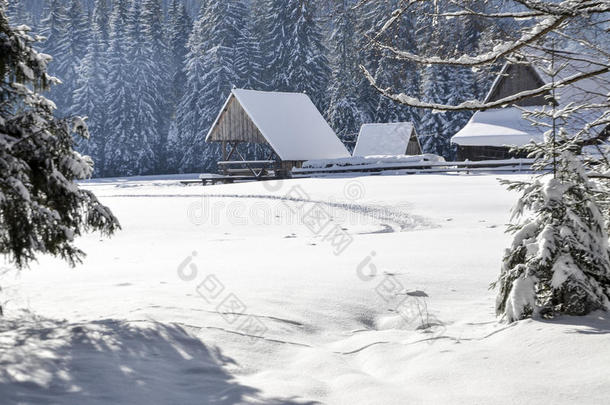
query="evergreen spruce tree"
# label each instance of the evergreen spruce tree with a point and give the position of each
(250, 64)
(468, 41)
(54, 29)
(77, 36)
(159, 79)
(254, 45)
(189, 122)
(436, 84)
(462, 85)
(42, 209)
(308, 67)
(372, 16)
(395, 73)
(250, 58)
(559, 260)
(138, 146)
(434, 125)
(486, 35)
(18, 15)
(213, 68)
(101, 17)
(118, 99)
(89, 97)
(343, 113)
(298, 60)
(179, 27)
(266, 38)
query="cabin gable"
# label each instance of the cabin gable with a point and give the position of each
(413, 147)
(515, 78)
(234, 124)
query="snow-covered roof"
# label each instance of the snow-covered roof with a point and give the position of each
(498, 127)
(290, 123)
(506, 126)
(383, 139)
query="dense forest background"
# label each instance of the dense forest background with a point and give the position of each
(151, 75)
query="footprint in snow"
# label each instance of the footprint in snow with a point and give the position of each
(386, 229)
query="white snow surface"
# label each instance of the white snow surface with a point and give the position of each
(498, 127)
(383, 139)
(291, 124)
(139, 321)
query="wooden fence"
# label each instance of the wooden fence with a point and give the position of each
(486, 166)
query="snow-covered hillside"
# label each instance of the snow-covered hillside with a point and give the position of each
(299, 291)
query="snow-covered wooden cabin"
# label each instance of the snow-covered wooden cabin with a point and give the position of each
(489, 134)
(288, 123)
(395, 138)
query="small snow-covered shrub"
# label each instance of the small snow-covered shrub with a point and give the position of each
(559, 261)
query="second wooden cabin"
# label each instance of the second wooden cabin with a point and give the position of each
(490, 134)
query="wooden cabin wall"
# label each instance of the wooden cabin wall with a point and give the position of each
(518, 78)
(235, 125)
(475, 153)
(413, 147)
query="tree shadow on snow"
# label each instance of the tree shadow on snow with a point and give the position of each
(596, 323)
(115, 362)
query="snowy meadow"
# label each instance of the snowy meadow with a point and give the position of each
(368, 290)
(304, 202)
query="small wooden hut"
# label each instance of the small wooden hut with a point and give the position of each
(490, 134)
(287, 123)
(395, 138)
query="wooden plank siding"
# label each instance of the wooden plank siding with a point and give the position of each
(514, 79)
(234, 124)
(478, 153)
(413, 147)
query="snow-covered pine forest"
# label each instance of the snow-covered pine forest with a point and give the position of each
(151, 75)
